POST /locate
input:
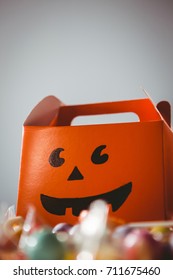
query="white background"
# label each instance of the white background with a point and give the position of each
(105, 269)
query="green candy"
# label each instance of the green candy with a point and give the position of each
(43, 245)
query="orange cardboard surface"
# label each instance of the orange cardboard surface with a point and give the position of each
(64, 168)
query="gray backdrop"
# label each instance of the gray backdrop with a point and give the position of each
(82, 52)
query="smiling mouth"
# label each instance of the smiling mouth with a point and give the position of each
(57, 206)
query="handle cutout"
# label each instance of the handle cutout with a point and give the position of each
(105, 119)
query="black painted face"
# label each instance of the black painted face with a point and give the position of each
(58, 206)
(56, 161)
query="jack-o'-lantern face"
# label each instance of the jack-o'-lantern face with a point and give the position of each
(59, 205)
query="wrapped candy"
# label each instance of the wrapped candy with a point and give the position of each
(10, 232)
(88, 234)
(94, 236)
(148, 240)
(42, 244)
(139, 244)
(62, 232)
(37, 240)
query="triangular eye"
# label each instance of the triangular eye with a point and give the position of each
(97, 158)
(55, 160)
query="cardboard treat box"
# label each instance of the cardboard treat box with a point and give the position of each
(64, 168)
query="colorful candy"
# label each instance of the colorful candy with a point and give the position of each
(42, 244)
(139, 244)
(95, 236)
(10, 232)
(13, 228)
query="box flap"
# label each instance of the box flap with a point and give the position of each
(45, 112)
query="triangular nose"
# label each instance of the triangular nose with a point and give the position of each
(75, 175)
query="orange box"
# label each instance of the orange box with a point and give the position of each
(64, 168)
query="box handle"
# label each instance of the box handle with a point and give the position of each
(144, 108)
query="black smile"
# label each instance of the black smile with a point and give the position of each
(58, 206)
